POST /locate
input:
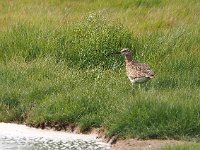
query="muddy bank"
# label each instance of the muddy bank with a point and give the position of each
(116, 143)
(72, 128)
(135, 144)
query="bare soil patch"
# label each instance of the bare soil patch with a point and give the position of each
(135, 144)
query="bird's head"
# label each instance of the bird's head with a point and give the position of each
(124, 51)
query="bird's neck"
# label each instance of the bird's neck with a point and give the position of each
(129, 58)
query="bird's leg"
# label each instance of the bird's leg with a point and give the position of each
(133, 87)
(145, 86)
(139, 86)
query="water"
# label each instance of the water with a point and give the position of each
(21, 137)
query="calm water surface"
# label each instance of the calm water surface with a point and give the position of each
(21, 137)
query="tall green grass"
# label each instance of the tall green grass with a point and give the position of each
(53, 71)
(84, 44)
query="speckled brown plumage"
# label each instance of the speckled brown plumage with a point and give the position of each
(136, 72)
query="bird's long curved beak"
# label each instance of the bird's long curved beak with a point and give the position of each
(113, 53)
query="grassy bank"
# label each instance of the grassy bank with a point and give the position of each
(54, 68)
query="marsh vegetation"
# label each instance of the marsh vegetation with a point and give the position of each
(54, 68)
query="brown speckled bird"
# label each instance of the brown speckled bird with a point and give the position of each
(136, 72)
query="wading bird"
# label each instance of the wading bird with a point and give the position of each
(136, 72)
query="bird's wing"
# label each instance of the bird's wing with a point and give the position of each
(142, 70)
